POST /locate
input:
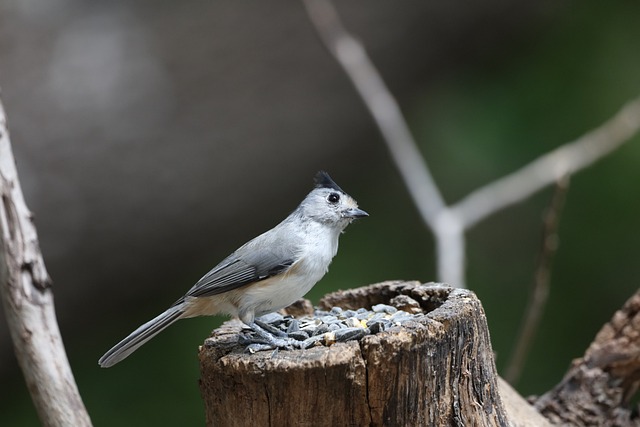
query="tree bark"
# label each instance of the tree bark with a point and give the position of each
(437, 370)
(27, 298)
(598, 387)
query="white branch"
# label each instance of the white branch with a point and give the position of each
(27, 299)
(449, 224)
(450, 248)
(387, 115)
(547, 169)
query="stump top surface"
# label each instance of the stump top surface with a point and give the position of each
(439, 304)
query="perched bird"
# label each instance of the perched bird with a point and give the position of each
(265, 274)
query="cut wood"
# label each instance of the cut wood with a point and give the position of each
(437, 370)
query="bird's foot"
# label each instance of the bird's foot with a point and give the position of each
(267, 337)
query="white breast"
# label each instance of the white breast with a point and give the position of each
(314, 256)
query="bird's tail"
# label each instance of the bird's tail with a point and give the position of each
(140, 336)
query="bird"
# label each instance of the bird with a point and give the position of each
(264, 275)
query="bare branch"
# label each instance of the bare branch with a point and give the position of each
(27, 299)
(540, 292)
(353, 59)
(564, 160)
(386, 113)
(449, 224)
(450, 248)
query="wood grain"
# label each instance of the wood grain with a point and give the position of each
(435, 371)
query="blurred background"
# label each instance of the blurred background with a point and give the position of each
(153, 138)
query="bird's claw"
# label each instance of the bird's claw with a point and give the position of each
(264, 338)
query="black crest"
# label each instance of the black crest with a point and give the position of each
(323, 180)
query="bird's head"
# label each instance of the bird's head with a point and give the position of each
(329, 204)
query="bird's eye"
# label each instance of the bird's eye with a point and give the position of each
(333, 198)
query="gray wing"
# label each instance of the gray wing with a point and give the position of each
(247, 265)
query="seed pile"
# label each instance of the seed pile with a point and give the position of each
(328, 327)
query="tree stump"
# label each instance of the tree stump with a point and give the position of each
(437, 370)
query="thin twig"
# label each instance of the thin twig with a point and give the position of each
(564, 160)
(540, 292)
(25, 289)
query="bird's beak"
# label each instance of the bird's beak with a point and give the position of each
(354, 213)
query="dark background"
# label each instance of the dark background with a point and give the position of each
(154, 137)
